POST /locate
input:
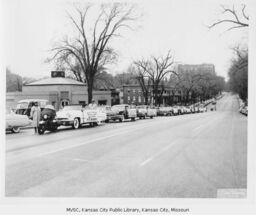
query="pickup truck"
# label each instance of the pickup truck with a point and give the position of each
(125, 111)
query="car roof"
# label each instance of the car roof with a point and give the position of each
(31, 100)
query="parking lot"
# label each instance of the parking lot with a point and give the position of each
(193, 155)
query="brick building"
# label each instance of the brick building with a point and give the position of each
(60, 91)
(132, 94)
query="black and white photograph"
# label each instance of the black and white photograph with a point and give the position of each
(127, 100)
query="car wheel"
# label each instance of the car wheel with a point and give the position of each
(107, 120)
(151, 117)
(133, 118)
(76, 123)
(41, 130)
(16, 130)
(121, 119)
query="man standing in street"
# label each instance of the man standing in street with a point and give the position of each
(35, 115)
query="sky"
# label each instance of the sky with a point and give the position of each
(33, 27)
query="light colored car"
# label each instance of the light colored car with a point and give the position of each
(175, 110)
(202, 108)
(125, 111)
(145, 111)
(76, 115)
(13, 122)
(187, 110)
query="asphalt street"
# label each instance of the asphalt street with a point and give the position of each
(187, 156)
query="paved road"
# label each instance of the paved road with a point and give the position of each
(194, 155)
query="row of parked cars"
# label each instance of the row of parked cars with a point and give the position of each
(78, 115)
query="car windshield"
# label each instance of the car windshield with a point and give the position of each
(142, 107)
(22, 105)
(73, 107)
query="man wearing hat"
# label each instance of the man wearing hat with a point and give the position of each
(93, 105)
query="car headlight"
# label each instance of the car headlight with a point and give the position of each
(45, 116)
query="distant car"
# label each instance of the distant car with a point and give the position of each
(125, 111)
(175, 110)
(113, 114)
(244, 110)
(187, 109)
(202, 108)
(75, 116)
(213, 106)
(146, 111)
(13, 122)
(164, 111)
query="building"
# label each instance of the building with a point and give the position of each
(132, 94)
(59, 90)
(195, 67)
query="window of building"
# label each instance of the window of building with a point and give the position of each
(139, 98)
(54, 104)
(64, 94)
(128, 98)
(134, 91)
(134, 99)
(81, 102)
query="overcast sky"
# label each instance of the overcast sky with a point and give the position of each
(31, 28)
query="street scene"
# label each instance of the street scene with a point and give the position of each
(126, 99)
(195, 155)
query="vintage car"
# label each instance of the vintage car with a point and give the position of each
(76, 115)
(125, 111)
(112, 114)
(13, 122)
(187, 109)
(175, 110)
(144, 111)
(202, 108)
(24, 106)
(163, 111)
(213, 106)
(244, 110)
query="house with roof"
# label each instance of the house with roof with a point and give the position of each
(59, 91)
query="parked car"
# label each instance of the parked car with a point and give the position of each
(113, 114)
(187, 109)
(13, 121)
(244, 110)
(141, 111)
(175, 110)
(164, 111)
(125, 111)
(47, 120)
(146, 111)
(24, 106)
(76, 115)
(202, 108)
(213, 106)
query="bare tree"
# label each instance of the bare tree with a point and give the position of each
(236, 19)
(89, 51)
(155, 69)
(141, 75)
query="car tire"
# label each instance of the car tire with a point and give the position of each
(76, 123)
(121, 119)
(16, 130)
(41, 130)
(151, 117)
(133, 118)
(107, 120)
